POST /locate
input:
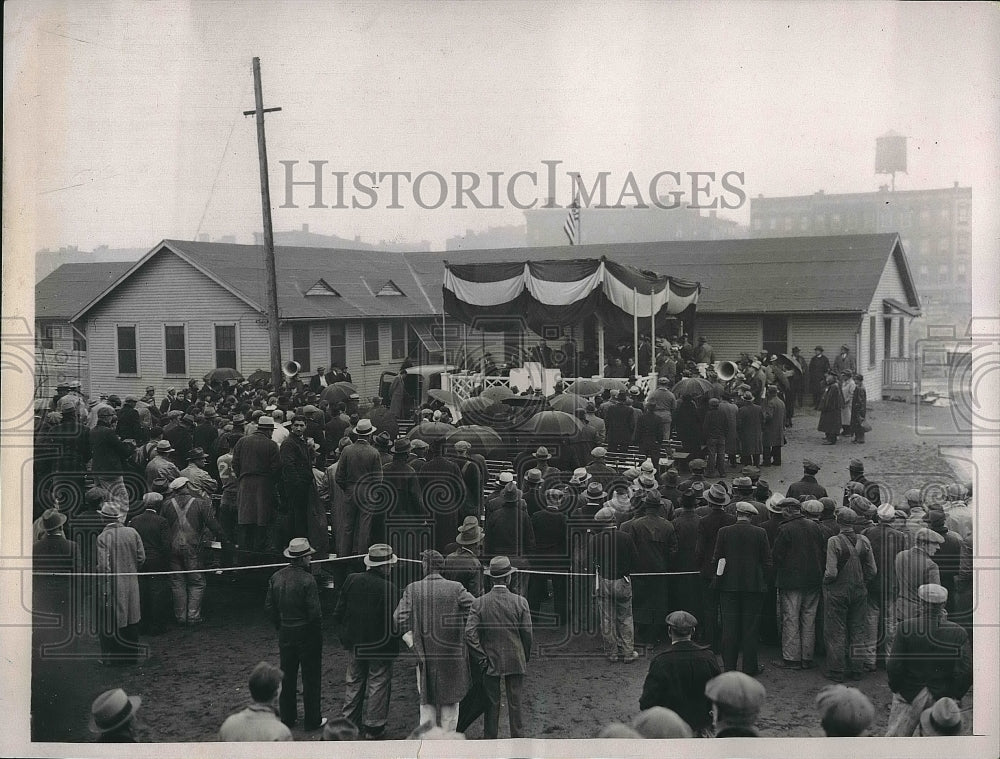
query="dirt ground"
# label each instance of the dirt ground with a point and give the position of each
(194, 678)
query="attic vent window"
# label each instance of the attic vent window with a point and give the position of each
(389, 288)
(322, 287)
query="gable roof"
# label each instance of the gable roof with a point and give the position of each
(786, 274)
(71, 286)
(793, 274)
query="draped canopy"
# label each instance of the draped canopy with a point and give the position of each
(504, 295)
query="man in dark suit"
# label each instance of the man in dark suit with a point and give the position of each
(551, 555)
(677, 677)
(742, 584)
(52, 596)
(819, 366)
(154, 590)
(808, 484)
(708, 529)
(364, 616)
(498, 632)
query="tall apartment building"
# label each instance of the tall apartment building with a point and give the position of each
(934, 226)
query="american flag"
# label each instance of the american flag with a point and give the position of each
(572, 224)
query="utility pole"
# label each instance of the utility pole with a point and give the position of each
(274, 336)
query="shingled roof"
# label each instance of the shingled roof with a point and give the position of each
(72, 286)
(786, 274)
(794, 274)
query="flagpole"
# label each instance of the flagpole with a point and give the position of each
(635, 329)
(652, 334)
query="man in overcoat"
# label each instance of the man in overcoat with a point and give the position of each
(119, 555)
(498, 632)
(741, 586)
(257, 465)
(773, 432)
(829, 411)
(431, 617)
(819, 367)
(655, 548)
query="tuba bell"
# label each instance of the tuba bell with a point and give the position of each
(725, 369)
(291, 368)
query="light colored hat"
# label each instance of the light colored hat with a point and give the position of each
(595, 492)
(178, 482)
(364, 427)
(504, 477)
(605, 514)
(844, 711)
(660, 722)
(542, 453)
(647, 467)
(265, 422)
(599, 452)
(470, 532)
(298, 547)
(380, 555)
(813, 507)
(944, 718)
(928, 536)
(580, 476)
(717, 495)
(932, 593)
(737, 691)
(742, 507)
(886, 513)
(112, 709)
(500, 566)
(463, 445)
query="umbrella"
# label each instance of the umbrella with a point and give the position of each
(497, 393)
(612, 384)
(568, 402)
(476, 405)
(482, 438)
(430, 431)
(340, 392)
(221, 375)
(586, 387)
(692, 386)
(787, 360)
(445, 396)
(551, 423)
(259, 376)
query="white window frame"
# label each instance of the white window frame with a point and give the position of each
(187, 350)
(215, 349)
(378, 331)
(406, 340)
(329, 345)
(138, 365)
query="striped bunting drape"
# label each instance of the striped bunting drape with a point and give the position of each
(559, 293)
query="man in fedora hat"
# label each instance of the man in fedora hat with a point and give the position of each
(886, 542)
(498, 632)
(656, 548)
(463, 564)
(53, 595)
(259, 721)
(742, 559)
(359, 470)
(154, 590)
(112, 716)
(363, 616)
(443, 494)
(202, 484)
(598, 468)
(508, 529)
(474, 475)
(161, 470)
(551, 555)
(297, 478)
(187, 518)
(944, 718)
(120, 553)
(819, 367)
(708, 528)
(431, 616)
(257, 466)
(292, 603)
(677, 677)
(930, 660)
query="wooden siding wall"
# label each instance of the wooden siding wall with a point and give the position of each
(890, 285)
(167, 290)
(729, 334)
(60, 363)
(829, 330)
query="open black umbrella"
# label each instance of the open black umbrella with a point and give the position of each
(259, 376)
(430, 431)
(340, 392)
(483, 438)
(223, 374)
(551, 424)
(692, 386)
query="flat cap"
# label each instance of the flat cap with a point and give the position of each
(696, 465)
(742, 507)
(178, 482)
(463, 445)
(844, 711)
(913, 495)
(845, 516)
(736, 691)
(681, 620)
(660, 722)
(886, 513)
(812, 507)
(599, 452)
(794, 504)
(810, 466)
(856, 465)
(928, 536)
(932, 593)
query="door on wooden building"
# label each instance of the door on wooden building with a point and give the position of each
(775, 329)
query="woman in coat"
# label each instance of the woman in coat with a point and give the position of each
(829, 406)
(749, 430)
(120, 553)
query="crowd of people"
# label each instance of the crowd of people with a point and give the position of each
(713, 565)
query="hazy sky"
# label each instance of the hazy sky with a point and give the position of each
(123, 120)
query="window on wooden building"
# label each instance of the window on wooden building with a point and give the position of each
(225, 346)
(371, 352)
(398, 339)
(775, 329)
(300, 346)
(174, 349)
(338, 344)
(128, 353)
(46, 337)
